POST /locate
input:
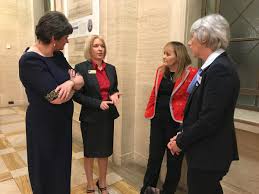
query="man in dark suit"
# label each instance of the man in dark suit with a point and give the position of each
(208, 134)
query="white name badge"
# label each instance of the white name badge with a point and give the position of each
(91, 71)
(199, 79)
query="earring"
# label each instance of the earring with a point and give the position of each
(54, 45)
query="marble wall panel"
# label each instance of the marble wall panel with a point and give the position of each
(16, 33)
(79, 8)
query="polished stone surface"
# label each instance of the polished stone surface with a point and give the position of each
(13, 159)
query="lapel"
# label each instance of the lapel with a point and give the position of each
(194, 90)
(159, 78)
(109, 74)
(203, 72)
(92, 77)
(179, 82)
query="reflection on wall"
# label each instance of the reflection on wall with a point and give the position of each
(79, 8)
(84, 18)
(75, 50)
(59, 5)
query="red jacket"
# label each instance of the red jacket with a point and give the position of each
(179, 94)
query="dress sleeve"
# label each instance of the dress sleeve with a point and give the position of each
(35, 76)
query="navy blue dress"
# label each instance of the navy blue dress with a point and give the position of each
(48, 126)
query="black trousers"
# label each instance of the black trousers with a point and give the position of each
(163, 127)
(204, 182)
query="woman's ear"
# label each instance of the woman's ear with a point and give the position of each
(53, 42)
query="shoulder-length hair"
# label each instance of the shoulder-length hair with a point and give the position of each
(212, 30)
(89, 45)
(182, 58)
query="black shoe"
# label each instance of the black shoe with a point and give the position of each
(152, 190)
(100, 189)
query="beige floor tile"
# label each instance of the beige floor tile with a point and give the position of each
(21, 110)
(77, 147)
(81, 189)
(3, 167)
(9, 187)
(19, 172)
(23, 155)
(7, 151)
(23, 183)
(13, 161)
(2, 143)
(78, 173)
(5, 119)
(17, 140)
(124, 188)
(113, 178)
(5, 176)
(78, 155)
(113, 190)
(6, 111)
(12, 128)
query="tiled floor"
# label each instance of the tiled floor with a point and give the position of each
(13, 159)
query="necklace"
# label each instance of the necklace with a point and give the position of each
(171, 76)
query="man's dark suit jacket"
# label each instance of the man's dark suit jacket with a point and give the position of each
(208, 133)
(90, 96)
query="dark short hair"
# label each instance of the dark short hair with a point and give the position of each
(55, 24)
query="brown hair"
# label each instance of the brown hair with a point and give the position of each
(89, 44)
(182, 57)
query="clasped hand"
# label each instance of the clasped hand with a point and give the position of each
(67, 89)
(114, 99)
(172, 146)
(77, 79)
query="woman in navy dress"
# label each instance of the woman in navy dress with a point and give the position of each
(49, 83)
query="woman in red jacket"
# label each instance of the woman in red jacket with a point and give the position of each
(165, 109)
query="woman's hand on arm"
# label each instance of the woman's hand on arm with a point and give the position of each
(79, 81)
(76, 78)
(64, 90)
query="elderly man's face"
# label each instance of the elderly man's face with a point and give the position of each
(195, 46)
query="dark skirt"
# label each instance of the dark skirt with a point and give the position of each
(49, 148)
(98, 137)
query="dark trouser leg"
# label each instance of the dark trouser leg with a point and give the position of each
(173, 174)
(204, 182)
(174, 163)
(156, 153)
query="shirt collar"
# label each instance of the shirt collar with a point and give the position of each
(212, 58)
(95, 65)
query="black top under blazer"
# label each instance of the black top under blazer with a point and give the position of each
(208, 133)
(90, 96)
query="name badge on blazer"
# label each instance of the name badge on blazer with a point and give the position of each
(91, 71)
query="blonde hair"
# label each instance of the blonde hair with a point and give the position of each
(182, 58)
(89, 45)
